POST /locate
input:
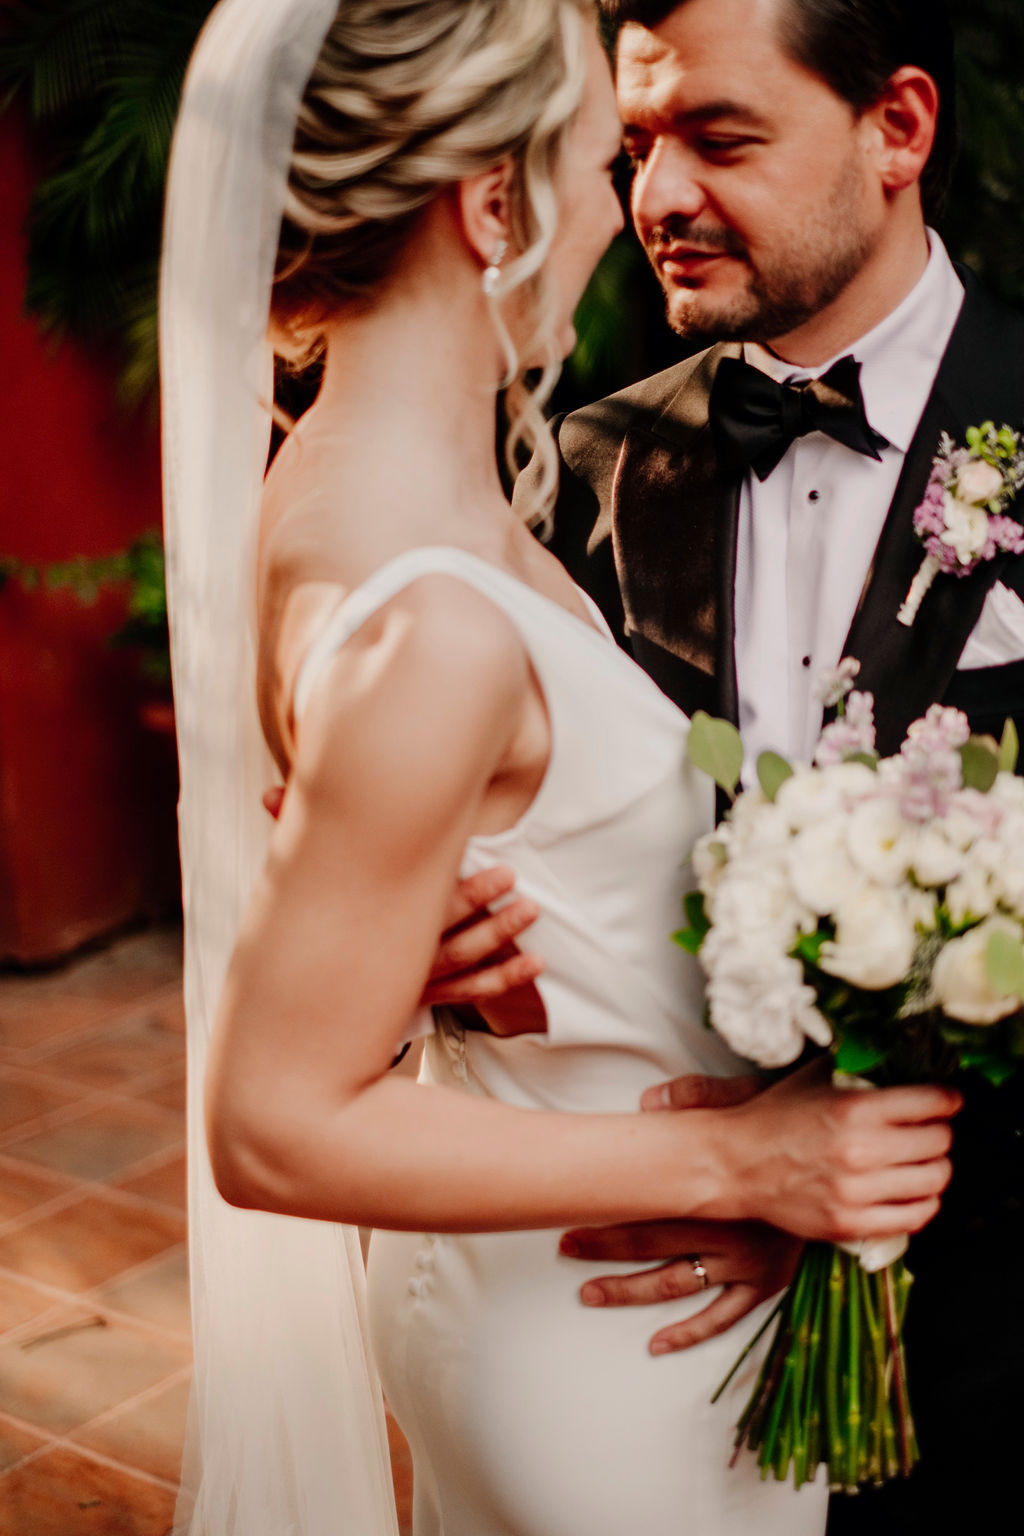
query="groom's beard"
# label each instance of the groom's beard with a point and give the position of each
(780, 296)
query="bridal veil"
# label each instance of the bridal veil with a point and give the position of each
(286, 1434)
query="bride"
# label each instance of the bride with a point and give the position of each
(439, 696)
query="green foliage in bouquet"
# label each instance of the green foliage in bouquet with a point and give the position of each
(833, 1388)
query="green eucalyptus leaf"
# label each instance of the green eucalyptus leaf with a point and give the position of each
(980, 764)
(693, 937)
(869, 759)
(1009, 749)
(1004, 959)
(714, 746)
(772, 772)
(857, 1057)
(689, 939)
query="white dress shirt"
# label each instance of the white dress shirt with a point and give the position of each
(808, 533)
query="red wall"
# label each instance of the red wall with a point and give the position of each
(87, 839)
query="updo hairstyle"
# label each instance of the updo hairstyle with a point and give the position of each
(407, 98)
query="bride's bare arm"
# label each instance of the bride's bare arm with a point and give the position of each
(397, 753)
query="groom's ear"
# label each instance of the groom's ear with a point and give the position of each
(484, 210)
(902, 123)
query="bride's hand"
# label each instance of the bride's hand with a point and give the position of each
(748, 1261)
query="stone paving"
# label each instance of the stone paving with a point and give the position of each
(94, 1330)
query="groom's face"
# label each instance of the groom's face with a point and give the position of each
(754, 194)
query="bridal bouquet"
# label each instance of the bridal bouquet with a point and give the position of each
(873, 906)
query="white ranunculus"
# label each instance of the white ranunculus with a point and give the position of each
(757, 898)
(761, 1004)
(979, 481)
(1002, 859)
(973, 895)
(814, 794)
(936, 860)
(960, 980)
(921, 908)
(875, 939)
(966, 529)
(820, 868)
(710, 858)
(1008, 791)
(880, 842)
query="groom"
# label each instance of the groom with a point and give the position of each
(744, 528)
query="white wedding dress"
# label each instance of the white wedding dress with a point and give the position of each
(529, 1414)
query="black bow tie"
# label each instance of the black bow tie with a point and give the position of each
(754, 419)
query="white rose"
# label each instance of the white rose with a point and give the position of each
(936, 861)
(880, 842)
(921, 908)
(974, 895)
(960, 980)
(710, 858)
(979, 481)
(875, 940)
(1008, 791)
(761, 1005)
(756, 897)
(821, 871)
(814, 794)
(966, 528)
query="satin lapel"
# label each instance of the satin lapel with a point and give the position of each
(907, 670)
(674, 536)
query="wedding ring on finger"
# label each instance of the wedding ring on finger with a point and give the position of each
(694, 1261)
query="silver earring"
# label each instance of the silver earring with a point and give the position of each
(492, 274)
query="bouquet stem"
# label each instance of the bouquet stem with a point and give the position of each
(833, 1386)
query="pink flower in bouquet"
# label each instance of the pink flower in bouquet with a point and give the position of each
(930, 766)
(853, 732)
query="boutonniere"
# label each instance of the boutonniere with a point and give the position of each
(963, 518)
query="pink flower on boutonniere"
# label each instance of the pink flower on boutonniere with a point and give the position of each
(962, 519)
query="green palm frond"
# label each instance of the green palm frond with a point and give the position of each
(100, 81)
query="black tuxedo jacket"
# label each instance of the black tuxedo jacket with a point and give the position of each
(645, 523)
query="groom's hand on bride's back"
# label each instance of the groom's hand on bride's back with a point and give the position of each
(477, 962)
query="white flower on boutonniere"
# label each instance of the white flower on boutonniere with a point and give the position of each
(963, 518)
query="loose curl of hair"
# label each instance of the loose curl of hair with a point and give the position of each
(407, 98)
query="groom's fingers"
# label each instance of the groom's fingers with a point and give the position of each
(734, 1303)
(696, 1092)
(640, 1241)
(463, 948)
(666, 1283)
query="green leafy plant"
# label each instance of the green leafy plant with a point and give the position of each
(99, 82)
(139, 571)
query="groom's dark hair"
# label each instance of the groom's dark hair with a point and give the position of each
(855, 46)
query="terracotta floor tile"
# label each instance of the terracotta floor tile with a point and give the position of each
(147, 1435)
(88, 1243)
(159, 1294)
(29, 1022)
(103, 1142)
(16, 1441)
(168, 1093)
(133, 1047)
(64, 1494)
(22, 1187)
(19, 1302)
(77, 1365)
(167, 1184)
(24, 1098)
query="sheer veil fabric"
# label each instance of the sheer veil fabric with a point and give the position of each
(286, 1433)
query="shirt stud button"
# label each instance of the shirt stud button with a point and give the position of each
(805, 661)
(813, 495)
